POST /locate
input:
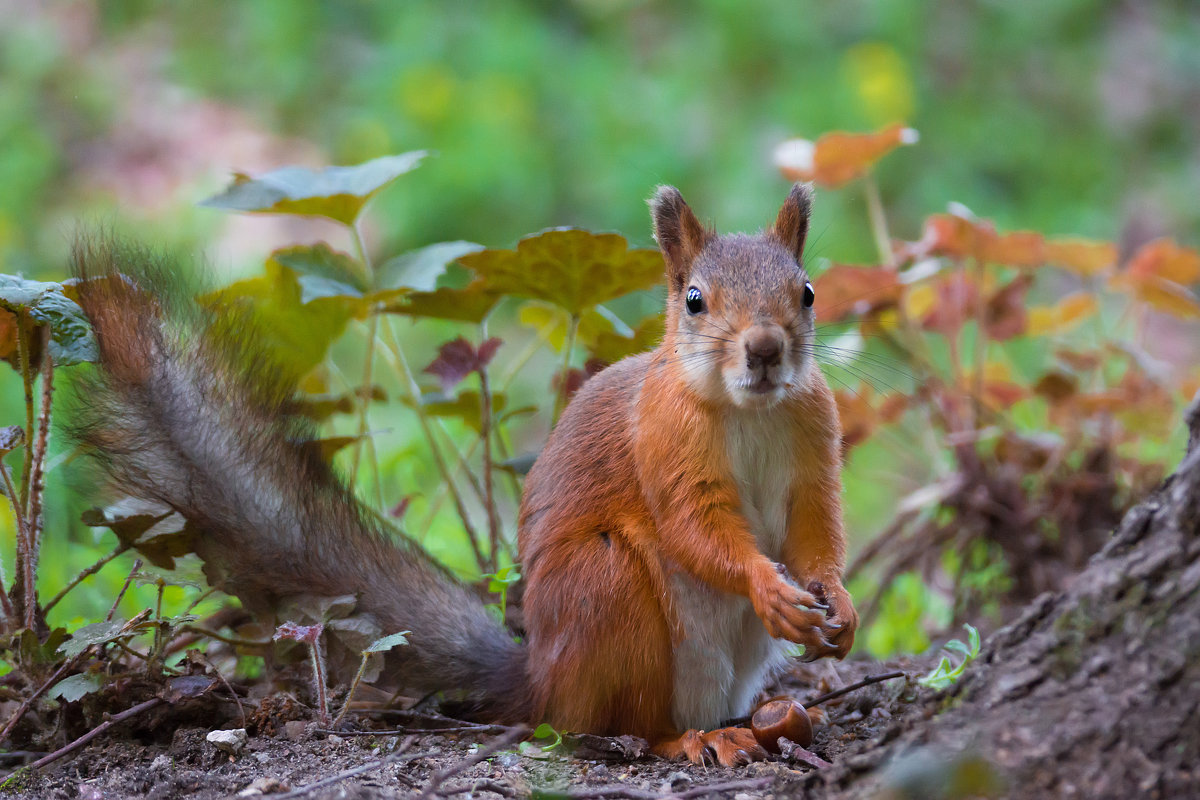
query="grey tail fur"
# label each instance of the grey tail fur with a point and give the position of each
(182, 412)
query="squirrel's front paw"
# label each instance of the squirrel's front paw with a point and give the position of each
(787, 611)
(841, 620)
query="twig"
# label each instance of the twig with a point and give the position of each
(633, 793)
(480, 785)
(83, 575)
(395, 757)
(402, 731)
(867, 681)
(137, 565)
(794, 752)
(99, 729)
(233, 640)
(28, 701)
(236, 699)
(441, 776)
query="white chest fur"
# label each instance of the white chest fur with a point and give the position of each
(726, 655)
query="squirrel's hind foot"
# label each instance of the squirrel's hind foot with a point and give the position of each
(729, 747)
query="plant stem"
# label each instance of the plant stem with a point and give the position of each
(879, 228)
(23, 574)
(23, 357)
(37, 481)
(414, 391)
(318, 661)
(981, 344)
(83, 575)
(362, 667)
(368, 368)
(561, 401)
(137, 564)
(485, 434)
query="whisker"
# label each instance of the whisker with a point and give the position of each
(873, 381)
(869, 358)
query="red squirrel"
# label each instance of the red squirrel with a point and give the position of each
(682, 524)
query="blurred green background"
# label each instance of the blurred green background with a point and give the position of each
(1065, 116)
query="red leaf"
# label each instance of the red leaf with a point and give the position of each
(458, 358)
(1004, 316)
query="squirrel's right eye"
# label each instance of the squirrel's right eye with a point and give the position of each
(694, 300)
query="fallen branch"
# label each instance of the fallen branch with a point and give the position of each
(633, 793)
(128, 713)
(867, 681)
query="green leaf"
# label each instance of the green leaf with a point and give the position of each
(335, 192)
(292, 334)
(322, 261)
(158, 534)
(71, 338)
(471, 304)
(74, 687)
(503, 578)
(388, 642)
(573, 269)
(88, 635)
(466, 406)
(420, 269)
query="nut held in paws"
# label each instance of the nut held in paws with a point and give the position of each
(778, 718)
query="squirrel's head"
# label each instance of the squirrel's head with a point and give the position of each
(739, 307)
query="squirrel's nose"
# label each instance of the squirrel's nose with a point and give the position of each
(764, 348)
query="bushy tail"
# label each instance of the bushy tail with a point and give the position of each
(181, 413)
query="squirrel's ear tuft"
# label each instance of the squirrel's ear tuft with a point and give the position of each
(791, 226)
(680, 235)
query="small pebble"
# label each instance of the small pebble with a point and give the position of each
(161, 761)
(334, 739)
(231, 741)
(295, 730)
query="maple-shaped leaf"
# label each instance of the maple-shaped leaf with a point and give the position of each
(335, 192)
(470, 304)
(459, 358)
(571, 268)
(43, 304)
(837, 158)
(292, 334)
(1158, 274)
(1163, 258)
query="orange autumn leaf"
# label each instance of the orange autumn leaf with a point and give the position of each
(1162, 258)
(1016, 249)
(1061, 316)
(844, 290)
(838, 157)
(1081, 256)
(1163, 294)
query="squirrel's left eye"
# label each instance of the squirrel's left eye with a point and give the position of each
(810, 296)
(694, 300)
